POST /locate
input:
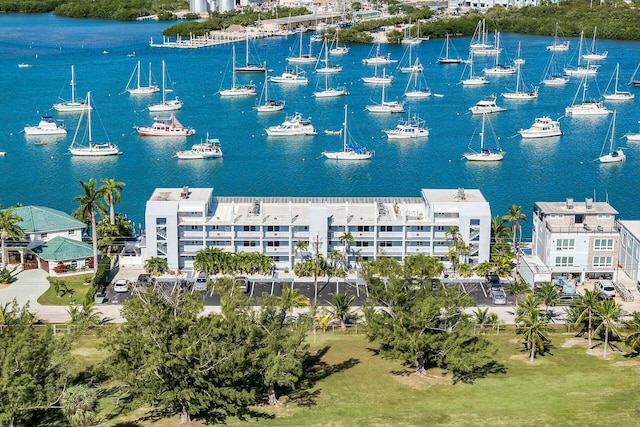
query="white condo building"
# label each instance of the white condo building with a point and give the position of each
(630, 248)
(576, 239)
(182, 221)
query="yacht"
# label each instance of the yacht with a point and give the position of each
(47, 126)
(487, 105)
(379, 59)
(586, 107)
(411, 128)
(543, 127)
(293, 126)
(165, 127)
(209, 149)
(290, 77)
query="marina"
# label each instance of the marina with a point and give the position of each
(251, 157)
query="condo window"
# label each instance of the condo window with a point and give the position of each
(249, 228)
(386, 244)
(273, 228)
(564, 261)
(604, 216)
(72, 232)
(248, 243)
(195, 227)
(386, 228)
(43, 236)
(272, 243)
(362, 228)
(161, 221)
(602, 261)
(603, 244)
(474, 222)
(565, 244)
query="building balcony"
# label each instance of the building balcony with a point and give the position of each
(416, 250)
(254, 235)
(219, 234)
(582, 229)
(252, 249)
(391, 250)
(190, 234)
(363, 235)
(418, 235)
(277, 250)
(277, 235)
(301, 234)
(392, 235)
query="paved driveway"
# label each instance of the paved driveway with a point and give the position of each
(27, 287)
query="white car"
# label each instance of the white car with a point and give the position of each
(605, 288)
(121, 285)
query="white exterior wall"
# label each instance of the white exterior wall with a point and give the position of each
(630, 248)
(37, 239)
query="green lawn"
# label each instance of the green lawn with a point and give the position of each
(352, 387)
(75, 283)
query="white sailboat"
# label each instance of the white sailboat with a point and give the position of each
(84, 145)
(542, 127)
(498, 68)
(446, 58)
(330, 91)
(291, 77)
(327, 69)
(593, 54)
(249, 67)
(519, 59)
(558, 46)
(472, 80)
(633, 137)
(617, 95)
(407, 65)
(613, 155)
(586, 107)
(480, 45)
(350, 149)
(378, 80)
(580, 70)
(337, 49)
(172, 105)
(386, 106)
(303, 58)
(520, 94)
(379, 59)
(265, 104)
(417, 85)
(551, 75)
(47, 126)
(72, 106)
(138, 89)
(485, 154)
(236, 89)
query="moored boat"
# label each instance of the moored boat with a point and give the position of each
(411, 128)
(487, 105)
(209, 149)
(47, 126)
(165, 127)
(351, 150)
(542, 127)
(294, 125)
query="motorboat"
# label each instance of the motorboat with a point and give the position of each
(83, 144)
(209, 149)
(612, 155)
(411, 128)
(351, 150)
(494, 154)
(542, 127)
(294, 125)
(47, 126)
(487, 105)
(165, 127)
(290, 77)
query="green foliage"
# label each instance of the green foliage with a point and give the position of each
(215, 260)
(340, 308)
(60, 287)
(79, 405)
(122, 10)
(29, 6)
(102, 273)
(33, 366)
(156, 266)
(84, 315)
(395, 36)
(533, 326)
(5, 276)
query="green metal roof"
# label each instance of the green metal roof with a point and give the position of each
(63, 249)
(40, 219)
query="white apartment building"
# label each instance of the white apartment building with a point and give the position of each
(182, 221)
(630, 248)
(576, 239)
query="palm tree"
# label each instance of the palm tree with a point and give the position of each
(588, 306)
(514, 217)
(499, 231)
(483, 317)
(548, 294)
(156, 266)
(340, 308)
(111, 190)
(533, 326)
(89, 204)
(9, 229)
(633, 339)
(517, 288)
(301, 248)
(347, 240)
(609, 312)
(292, 298)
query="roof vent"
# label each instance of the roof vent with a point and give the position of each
(185, 192)
(460, 194)
(588, 202)
(255, 209)
(569, 203)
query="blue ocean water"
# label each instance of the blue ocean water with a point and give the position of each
(255, 165)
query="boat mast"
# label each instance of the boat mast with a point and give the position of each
(482, 133)
(73, 85)
(233, 68)
(344, 137)
(163, 84)
(446, 47)
(89, 119)
(247, 53)
(138, 74)
(149, 83)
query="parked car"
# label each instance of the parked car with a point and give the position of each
(121, 285)
(605, 288)
(143, 280)
(499, 298)
(566, 299)
(201, 282)
(242, 283)
(493, 281)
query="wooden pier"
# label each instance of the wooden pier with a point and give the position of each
(214, 38)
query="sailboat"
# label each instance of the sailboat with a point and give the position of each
(378, 59)
(485, 154)
(236, 89)
(266, 105)
(586, 107)
(519, 59)
(337, 49)
(350, 149)
(249, 67)
(635, 82)
(588, 70)
(327, 69)
(417, 85)
(386, 106)
(303, 58)
(378, 80)
(551, 75)
(472, 80)
(84, 145)
(479, 45)
(499, 69)
(330, 92)
(614, 155)
(617, 95)
(556, 46)
(72, 106)
(594, 55)
(446, 59)
(409, 66)
(138, 89)
(519, 94)
(165, 105)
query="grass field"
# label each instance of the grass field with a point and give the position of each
(353, 387)
(75, 283)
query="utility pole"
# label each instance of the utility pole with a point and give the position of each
(316, 246)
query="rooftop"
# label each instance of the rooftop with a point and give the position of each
(40, 219)
(63, 249)
(573, 207)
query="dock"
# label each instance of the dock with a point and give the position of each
(215, 38)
